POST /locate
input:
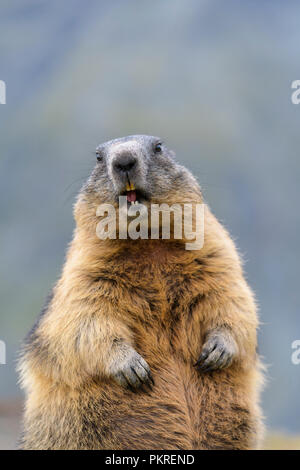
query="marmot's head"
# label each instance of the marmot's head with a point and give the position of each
(142, 168)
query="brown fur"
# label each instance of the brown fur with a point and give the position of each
(165, 302)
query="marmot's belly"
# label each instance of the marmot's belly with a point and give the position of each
(184, 410)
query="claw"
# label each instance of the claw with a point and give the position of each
(218, 353)
(134, 373)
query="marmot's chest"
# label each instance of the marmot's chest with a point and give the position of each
(162, 313)
(165, 291)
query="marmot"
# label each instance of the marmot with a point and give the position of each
(143, 344)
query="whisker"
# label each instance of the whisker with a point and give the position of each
(82, 178)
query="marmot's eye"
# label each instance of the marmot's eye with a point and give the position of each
(99, 156)
(158, 148)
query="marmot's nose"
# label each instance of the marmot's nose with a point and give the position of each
(124, 163)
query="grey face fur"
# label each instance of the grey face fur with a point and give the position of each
(141, 160)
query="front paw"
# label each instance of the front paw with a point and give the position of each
(218, 352)
(133, 371)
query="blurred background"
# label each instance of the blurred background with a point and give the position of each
(213, 79)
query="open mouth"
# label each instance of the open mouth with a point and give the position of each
(131, 194)
(134, 196)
